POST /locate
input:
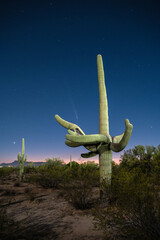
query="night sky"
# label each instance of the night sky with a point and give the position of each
(48, 52)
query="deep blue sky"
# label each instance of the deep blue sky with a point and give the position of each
(48, 53)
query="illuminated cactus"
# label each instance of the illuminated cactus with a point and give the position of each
(22, 160)
(102, 143)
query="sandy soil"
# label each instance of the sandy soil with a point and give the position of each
(45, 213)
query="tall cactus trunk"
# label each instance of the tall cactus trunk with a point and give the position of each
(21, 170)
(105, 155)
(70, 161)
(103, 104)
(105, 164)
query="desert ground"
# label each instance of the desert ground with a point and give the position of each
(36, 213)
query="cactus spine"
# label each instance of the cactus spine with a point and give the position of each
(22, 159)
(102, 144)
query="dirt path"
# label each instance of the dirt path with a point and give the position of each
(45, 214)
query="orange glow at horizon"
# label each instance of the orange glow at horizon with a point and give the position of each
(67, 160)
(42, 158)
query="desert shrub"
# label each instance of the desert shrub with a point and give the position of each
(30, 169)
(110, 221)
(55, 174)
(50, 180)
(133, 204)
(73, 164)
(52, 162)
(77, 180)
(72, 171)
(79, 193)
(30, 194)
(139, 220)
(89, 173)
(80, 185)
(48, 177)
(6, 171)
(78, 171)
(83, 172)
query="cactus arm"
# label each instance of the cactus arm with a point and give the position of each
(75, 132)
(19, 157)
(117, 147)
(69, 125)
(71, 132)
(117, 139)
(93, 151)
(89, 154)
(25, 158)
(94, 148)
(72, 144)
(88, 139)
(91, 148)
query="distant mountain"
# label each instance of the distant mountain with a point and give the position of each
(16, 164)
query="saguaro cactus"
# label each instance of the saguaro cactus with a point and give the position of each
(102, 143)
(70, 161)
(22, 160)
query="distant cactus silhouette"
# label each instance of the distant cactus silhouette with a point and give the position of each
(70, 161)
(102, 143)
(22, 160)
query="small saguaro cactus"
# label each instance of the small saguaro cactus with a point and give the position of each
(22, 159)
(102, 144)
(70, 161)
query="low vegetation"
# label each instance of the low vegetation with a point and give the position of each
(133, 210)
(131, 207)
(6, 171)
